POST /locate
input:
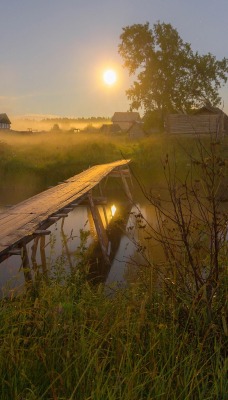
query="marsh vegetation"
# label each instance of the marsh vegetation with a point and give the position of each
(165, 335)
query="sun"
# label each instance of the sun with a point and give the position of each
(109, 77)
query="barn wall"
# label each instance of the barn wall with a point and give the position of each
(181, 123)
(3, 125)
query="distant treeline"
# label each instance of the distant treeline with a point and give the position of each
(46, 123)
(65, 120)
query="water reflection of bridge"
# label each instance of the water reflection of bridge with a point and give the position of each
(116, 228)
(71, 253)
(31, 219)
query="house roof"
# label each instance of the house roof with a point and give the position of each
(125, 117)
(209, 109)
(4, 119)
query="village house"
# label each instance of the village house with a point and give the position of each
(125, 119)
(136, 130)
(110, 128)
(4, 121)
(219, 115)
(207, 119)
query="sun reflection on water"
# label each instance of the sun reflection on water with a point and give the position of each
(113, 210)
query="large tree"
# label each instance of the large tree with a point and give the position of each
(170, 77)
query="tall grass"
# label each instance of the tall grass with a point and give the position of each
(75, 342)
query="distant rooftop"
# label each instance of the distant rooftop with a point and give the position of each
(125, 117)
(4, 119)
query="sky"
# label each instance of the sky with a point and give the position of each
(54, 52)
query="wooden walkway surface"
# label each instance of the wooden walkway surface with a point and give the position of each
(22, 220)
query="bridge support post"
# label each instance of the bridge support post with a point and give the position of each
(126, 187)
(33, 256)
(103, 206)
(102, 236)
(43, 256)
(26, 265)
(64, 242)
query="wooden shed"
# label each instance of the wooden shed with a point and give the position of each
(125, 119)
(208, 109)
(136, 130)
(4, 121)
(202, 121)
(110, 128)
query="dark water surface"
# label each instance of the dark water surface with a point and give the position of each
(60, 250)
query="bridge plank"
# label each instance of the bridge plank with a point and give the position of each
(23, 219)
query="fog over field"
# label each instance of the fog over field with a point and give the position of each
(46, 122)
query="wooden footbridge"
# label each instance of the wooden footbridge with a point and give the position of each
(31, 218)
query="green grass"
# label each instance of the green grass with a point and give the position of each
(50, 157)
(75, 342)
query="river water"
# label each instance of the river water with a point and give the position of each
(72, 238)
(62, 248)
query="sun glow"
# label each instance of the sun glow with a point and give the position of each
(109, 77)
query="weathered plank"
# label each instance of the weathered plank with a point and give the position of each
(22, 220)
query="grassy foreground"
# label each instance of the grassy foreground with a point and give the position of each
(75, 342)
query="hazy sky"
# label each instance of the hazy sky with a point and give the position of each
(53, 52)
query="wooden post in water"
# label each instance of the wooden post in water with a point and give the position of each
(92, 227)
(25, 264)
(123, 174)
(43, 256)
(126, 187)
(130, 175)
(64, 241)
(102, 236)
(103, 206)
(33, 256)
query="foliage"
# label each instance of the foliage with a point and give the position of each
(55, 128)
(152, 119)
(170, 76)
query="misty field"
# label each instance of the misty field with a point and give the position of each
(37, 124)
(31, 162)
(58, 155)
